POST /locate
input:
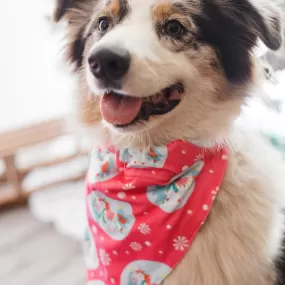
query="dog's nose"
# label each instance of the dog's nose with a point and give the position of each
(109, 64)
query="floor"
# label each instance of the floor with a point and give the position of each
(33, 253)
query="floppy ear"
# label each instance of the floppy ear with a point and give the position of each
(72, 9)
(268, 23)
(61, 7)
(233, 27)
(77, 13)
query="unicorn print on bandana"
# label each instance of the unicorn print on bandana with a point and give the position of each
(103, 165)
(144, 273)
(175, 195)
(139, 277)
(154, 157)
(114, 217)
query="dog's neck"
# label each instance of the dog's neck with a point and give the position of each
(103, 136)
(148, 205)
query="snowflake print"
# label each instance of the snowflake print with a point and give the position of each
(144, 229)
(169, 227)
(148, 243)
(122, 195)
(128, 186)
(180, 243)
(205, 207)
(136, 246)
(104, 257)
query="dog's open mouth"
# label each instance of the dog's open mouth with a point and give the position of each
(123, 111)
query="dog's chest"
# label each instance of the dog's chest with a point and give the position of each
(145, 208)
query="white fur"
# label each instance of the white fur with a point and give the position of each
(137, 35)
(269, 168)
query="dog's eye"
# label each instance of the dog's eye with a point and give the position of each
(104, 25)
(173, 28)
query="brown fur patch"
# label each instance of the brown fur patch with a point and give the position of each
(114, 8)
(207, 63)
(162, 11)
(165, 11)
(89, 109)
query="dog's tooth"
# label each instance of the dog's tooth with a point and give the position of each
(156, 99)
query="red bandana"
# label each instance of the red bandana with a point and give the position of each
(145, 208)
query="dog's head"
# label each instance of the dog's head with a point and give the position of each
(168, 69)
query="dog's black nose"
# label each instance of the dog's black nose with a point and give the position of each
(109, 64)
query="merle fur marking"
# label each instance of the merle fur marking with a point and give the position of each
(232, 32)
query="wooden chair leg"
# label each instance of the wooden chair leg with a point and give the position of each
(12, 174)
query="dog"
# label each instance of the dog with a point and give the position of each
(181, 70)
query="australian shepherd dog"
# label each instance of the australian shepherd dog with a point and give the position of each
(171, 76)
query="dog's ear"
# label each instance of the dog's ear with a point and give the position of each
(64, 8)
(61, 7)
(233, 27)
(266, 20)
(77, 14)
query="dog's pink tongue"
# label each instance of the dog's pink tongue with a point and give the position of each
(120, 110)
(175, 95)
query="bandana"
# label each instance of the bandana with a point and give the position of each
(145, 208)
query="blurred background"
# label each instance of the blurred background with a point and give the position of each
(44, 154)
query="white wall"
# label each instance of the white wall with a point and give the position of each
(32, 85)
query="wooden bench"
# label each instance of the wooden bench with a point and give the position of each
(12, 141)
